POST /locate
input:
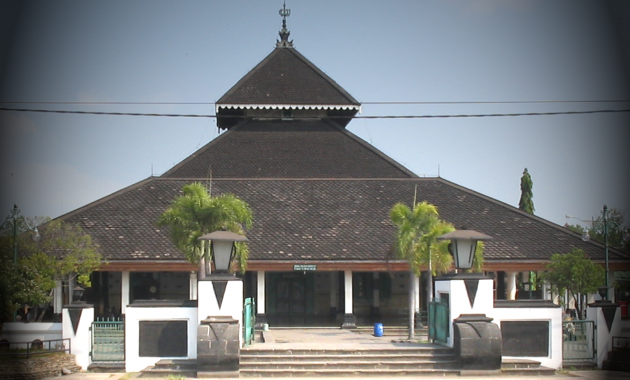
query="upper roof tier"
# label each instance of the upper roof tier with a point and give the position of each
(285, 80)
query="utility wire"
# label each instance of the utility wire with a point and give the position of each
(374, 103)
(354, 117)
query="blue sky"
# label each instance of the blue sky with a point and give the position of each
(379, 51)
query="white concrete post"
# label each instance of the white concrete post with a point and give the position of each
(79, 316)
(193, 286)
(511, 285)
(347, 285)
(231, 302)
(58, 298)
(124, 291)
(260, 292)
(416, 292)
(348, 317)
(596, 312)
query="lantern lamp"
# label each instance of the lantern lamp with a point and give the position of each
(463, 246)
(222, 248)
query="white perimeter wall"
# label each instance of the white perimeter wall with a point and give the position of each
(28, 332)
(551, 315)
(133, 317)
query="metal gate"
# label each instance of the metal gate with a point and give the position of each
(438, 321)
(249, 320)
(108, 340)
(578, 340)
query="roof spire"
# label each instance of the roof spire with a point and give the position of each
(284, 33)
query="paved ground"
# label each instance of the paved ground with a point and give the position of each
(316, 338)
(577, 375)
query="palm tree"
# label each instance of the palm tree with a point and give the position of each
(196, 213)
(411, 225)
(434, 253)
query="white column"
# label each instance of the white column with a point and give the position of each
(511, 285)
(124, 291)
(260, 292)
(416, 291)
(193, 286)
(376, 291)
(58, 298)
(347, 284)
(71, 285)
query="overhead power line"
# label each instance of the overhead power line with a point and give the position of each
(354, 117)
(364, 103)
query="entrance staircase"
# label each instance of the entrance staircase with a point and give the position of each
(328, 359)
(260, 362)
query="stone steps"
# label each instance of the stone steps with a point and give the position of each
(258, 362)
(171, 367)
(304, 362)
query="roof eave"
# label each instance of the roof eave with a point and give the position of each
(356, 107)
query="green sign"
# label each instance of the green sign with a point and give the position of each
(304, 267)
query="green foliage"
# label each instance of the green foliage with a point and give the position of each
(526, 203)
(411, 225)
(618, 232)
(416, 238)
(196, 213)
(575, 273)
(64, 251)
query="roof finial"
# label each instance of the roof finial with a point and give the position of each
(284, 33)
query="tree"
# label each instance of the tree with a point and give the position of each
(526, 203)
(62, 253)
(576, 274)
(411, 225)
(197, 212)
(618, 232)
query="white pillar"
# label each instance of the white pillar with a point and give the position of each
(260, 292)
(348, 317)
(124, 291)
(58, 298)
(347, 284)
(511, 285)
(193, 286)
(416, 291)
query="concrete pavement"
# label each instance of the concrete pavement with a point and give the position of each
(573, 375)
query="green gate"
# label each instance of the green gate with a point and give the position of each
(438, 321)
(249, 320)
(578, 340)
(108, 340)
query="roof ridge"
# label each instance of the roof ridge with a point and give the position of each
(281, 50)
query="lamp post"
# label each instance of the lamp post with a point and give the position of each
(220, 308)
(586, 237)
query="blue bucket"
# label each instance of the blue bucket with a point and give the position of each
(378, 329)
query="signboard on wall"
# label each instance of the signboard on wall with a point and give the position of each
(304, 267)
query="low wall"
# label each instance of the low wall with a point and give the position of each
(37, 367)
(28, 332)
(537, 319)
(152, 316)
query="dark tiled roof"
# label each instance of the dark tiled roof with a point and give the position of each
(327, 219)
(288, 149)
(286, 77)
